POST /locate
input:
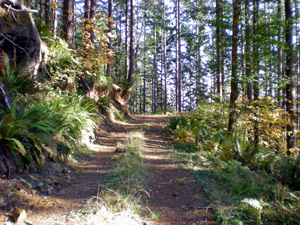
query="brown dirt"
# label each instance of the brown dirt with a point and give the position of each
(175, 194)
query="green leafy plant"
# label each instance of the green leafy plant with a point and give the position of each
(34, 131)
(75, 114)
(26, 133)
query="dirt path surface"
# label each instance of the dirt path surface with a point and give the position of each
(175, 194)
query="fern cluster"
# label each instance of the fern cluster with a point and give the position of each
(44, 116)
(34, 131)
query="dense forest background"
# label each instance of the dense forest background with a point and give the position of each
(151, 57)
(182, 48)
(229, 69)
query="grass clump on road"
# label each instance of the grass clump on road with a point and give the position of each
(129, 168)
(120, 201)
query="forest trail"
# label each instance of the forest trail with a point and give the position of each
(175, 194)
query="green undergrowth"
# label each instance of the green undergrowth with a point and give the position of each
(49, 116)
(240, 195)
(33, 132)
(245, 183)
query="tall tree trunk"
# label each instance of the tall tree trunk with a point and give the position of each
(68, 27)
(165, 53)
(222, 54)
(126, 40)
(234, 78)
(54, 12)
(247, 52)
(87, 7)
(297, 58)
(41, 9)
(290, 74)
(36, 15)
(161, 70)
(110, 4)
(255, 49)
(132, 42)
(198, 65)
(178, 60)
(144, 68)
(218, 44)
(47, 12)
(256, 42)
(280, 53)
(155, 81)
(120, 48)
(140, 96)
(92, 18)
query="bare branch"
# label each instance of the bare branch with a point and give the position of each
(14, 43)
(21, 10)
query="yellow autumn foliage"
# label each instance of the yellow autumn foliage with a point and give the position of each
(94, 46)
(271, 121)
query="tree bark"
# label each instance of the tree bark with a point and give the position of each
(165, 62)
(290, 74)
(218, 44)
(87, 6)
(198, 64)
(154, 82)
(47, 12)
(41, 9)
(68, 26)
(110, 4)
(92, 18)
(132, 41)
(256, 42)
(54, 29)
(248, 53)
(255, 50)
(126, 40)
(280, 53)
(178, 60)
(234, 78)
(144, 68)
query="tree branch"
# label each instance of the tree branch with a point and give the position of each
(21, 10)
(14, 43)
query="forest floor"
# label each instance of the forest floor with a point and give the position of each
(53, 198)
